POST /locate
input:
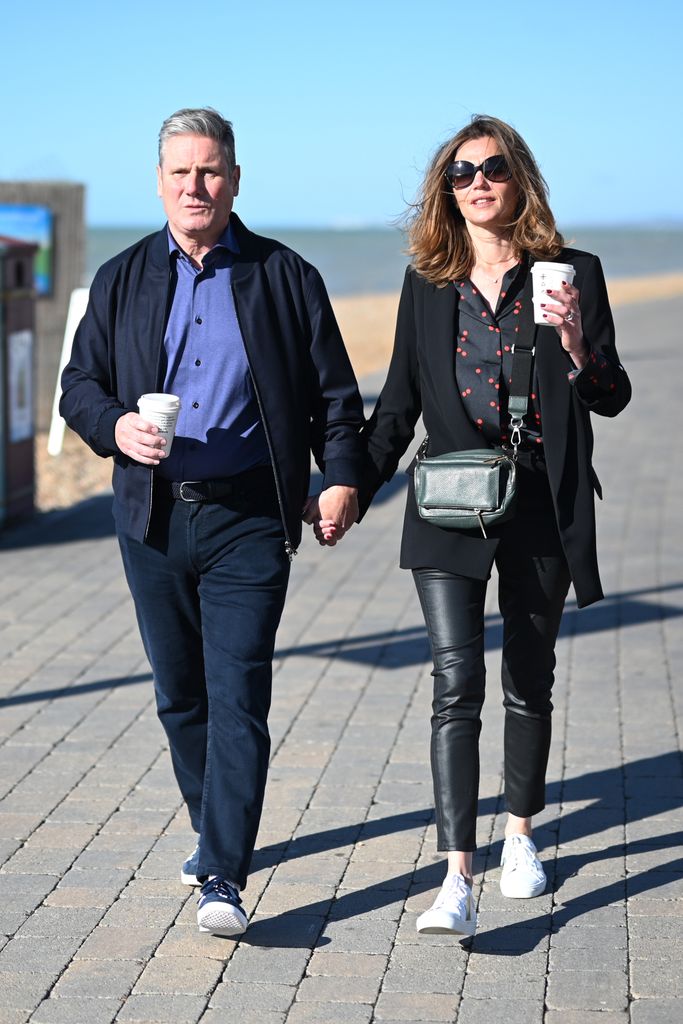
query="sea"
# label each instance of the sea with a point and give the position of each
(363, 261)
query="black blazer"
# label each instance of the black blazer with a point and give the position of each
(306, 388)
(421, 379)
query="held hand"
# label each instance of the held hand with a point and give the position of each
(564, 315)
(340, 505)
(139, 439)
(324, 529)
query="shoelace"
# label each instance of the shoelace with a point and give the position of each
(453, 886)
(521, 851)
(221, 887)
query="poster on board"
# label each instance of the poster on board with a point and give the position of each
(32, 224)
(20, 381)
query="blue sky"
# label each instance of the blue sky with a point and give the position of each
(337, 107)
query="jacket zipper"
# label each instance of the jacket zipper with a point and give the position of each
(161, 344)
(289, 547)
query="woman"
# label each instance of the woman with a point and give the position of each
(482, 219)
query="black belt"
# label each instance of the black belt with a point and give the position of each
(202, 490)
(214, 490)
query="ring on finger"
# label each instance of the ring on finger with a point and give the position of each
(569, 319)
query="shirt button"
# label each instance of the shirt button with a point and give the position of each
(197, 319)
(195, 405)
(197, 362)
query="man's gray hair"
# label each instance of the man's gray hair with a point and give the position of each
(203, 121)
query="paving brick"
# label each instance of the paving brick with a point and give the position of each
(338, 990)
(594, 990)
(346, 965)
(249, 997)
(655, 1011)
(365, 936)
(34, 954)
(246, 1017)
(520, 986)
(656, 979)
(120, 944)
(62, 921)
(590, 937)
(75, 898)
(179, 975)
(151, 913)
(500, 1011)
(305, 899)
(259, 963)
(166, 1009)
(98, 979)
(595, 957)
(25, 991)
(587, 1017)
(334, 1013)
(187, 940)
(416, 1006)
(92, 1010)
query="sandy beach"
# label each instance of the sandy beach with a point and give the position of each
(367, 324)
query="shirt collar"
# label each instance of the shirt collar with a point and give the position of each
(227, 241)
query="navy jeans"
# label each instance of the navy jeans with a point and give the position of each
(209, 587)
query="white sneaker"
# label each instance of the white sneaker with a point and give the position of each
(452, 911)
(523, 875)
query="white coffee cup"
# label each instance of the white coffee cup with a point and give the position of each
(162, 411)
(545, 276)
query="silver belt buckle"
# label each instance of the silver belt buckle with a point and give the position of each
(188, 483)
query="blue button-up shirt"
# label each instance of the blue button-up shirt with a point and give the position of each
(219, 430)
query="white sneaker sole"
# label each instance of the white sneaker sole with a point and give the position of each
(189, 879)
(440, 922)
(221, 920)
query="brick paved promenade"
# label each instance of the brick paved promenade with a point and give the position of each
(94, 923)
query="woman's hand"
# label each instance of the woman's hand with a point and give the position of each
(563, 313)
(325, 530)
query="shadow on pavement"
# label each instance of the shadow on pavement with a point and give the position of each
(74, 691)
(655, 784)
(90, 519)
(405, 647)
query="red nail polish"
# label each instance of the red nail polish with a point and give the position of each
(548, 291)
(545, 316)
(543, 305)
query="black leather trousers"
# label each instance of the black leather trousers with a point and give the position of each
(533, 585)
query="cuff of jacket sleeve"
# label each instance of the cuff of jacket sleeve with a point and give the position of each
(342, 473)
(107, 426)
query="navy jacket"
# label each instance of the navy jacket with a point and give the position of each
(305, 385)
(421, 380)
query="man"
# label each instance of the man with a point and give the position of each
(241, 329)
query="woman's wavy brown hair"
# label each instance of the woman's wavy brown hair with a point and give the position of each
(438, 240)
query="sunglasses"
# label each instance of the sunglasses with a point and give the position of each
(461, 173)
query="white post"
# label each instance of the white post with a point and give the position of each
(77, 304)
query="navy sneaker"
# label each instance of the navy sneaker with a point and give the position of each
(220, 908)
(188, 872)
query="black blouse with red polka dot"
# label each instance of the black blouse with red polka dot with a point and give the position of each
(483, 359)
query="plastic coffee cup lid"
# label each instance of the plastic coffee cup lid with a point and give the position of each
(560, 268)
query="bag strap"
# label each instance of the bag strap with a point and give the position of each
(522, 364)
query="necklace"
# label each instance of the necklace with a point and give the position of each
(493, 280)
